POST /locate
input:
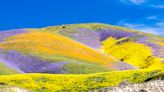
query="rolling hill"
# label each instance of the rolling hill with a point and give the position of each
(53, 53)
(71, 48)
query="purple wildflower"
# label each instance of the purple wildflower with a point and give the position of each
(8, 33)
(30, 64)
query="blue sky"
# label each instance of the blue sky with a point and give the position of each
(144, 15)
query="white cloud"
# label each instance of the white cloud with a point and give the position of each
(137, 2)
(152, 18)
(147, 3)
(158, 28)
(152, 30)
(157, 18)
(133, 25)
(158, 6)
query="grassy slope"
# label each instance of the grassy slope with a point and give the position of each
(5, 70)
(77, 83)
(55, 47)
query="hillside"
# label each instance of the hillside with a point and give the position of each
(60, 49)
(78, 58)
(55, 54)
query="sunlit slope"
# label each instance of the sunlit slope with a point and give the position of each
(74, 48)
(55, 47)
(110, 30)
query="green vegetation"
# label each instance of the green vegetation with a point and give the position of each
(77, 83)
(84, 68)
(91, 26)
(5, 70)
